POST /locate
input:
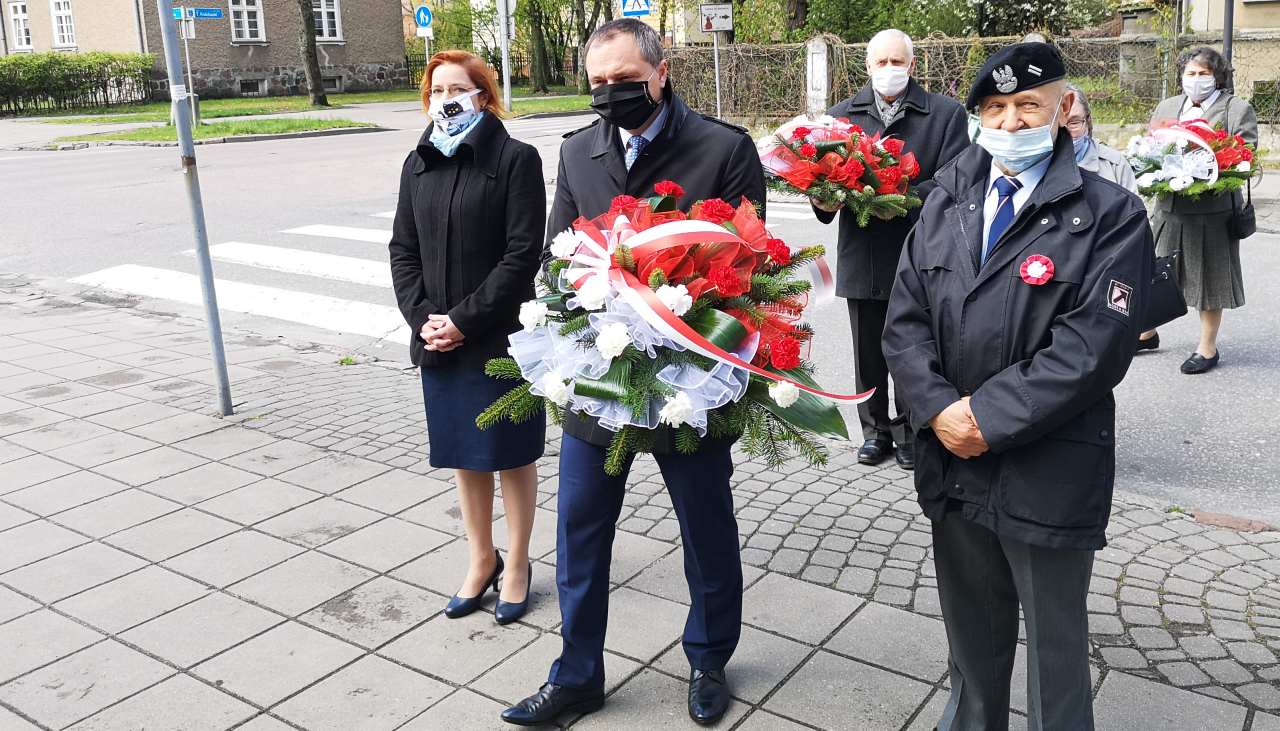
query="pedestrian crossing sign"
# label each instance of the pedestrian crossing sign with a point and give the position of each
(635, 8)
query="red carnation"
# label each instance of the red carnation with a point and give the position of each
(893, 146)
(799, 133)
(785, 354)
(727, 281)
(621, 202)
(808, 150)
(779, 252)
(890, 179)
(668, 187)
(855, 170)
(910, 166)
(716, 211)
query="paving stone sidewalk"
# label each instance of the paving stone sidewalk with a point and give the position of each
(285, 568)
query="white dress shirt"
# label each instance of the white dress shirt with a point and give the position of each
(1191, 110)
(1029, 178)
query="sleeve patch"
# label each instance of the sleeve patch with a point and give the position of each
(1120, 297)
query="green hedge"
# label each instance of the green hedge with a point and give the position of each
(32, 82)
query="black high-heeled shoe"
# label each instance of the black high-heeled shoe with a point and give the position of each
(508, 612)
(462, 606)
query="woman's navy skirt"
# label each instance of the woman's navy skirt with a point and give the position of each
(454, 396)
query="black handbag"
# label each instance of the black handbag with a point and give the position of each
(1164, 300)
(1244, 221)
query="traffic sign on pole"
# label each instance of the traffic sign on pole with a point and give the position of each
(716, 17)
(422, 16)
(635, 8)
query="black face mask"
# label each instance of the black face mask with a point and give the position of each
(626, 105)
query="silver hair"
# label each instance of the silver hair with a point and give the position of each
(894, 34)
(1084, 102)
(645, 36)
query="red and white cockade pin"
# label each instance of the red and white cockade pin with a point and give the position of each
(1037, 269)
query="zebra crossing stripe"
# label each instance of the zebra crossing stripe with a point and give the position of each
(349, 233)
(307, 263)
(315, 310)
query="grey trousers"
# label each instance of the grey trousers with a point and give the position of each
(982, 579)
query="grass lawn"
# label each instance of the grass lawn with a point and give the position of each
(220, 129)
(251, 106)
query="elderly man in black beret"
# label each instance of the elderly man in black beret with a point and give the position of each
(1014, 314)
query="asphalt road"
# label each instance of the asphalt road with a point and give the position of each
(1204, 442)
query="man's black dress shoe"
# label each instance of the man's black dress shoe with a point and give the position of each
(462, 606)
(874, 451)
(1151, 343)
(708, 696)
(550, 701)
(1199, 364)
(906, 456)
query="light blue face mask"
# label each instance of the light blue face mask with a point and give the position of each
(1017, 151)
(1081, 145)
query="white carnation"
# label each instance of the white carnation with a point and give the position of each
(533, 315)
(593, 293)
(1146, 180)
(677, 411)
(675, 298)
(612, 340)
(1244, 166)
(1179, 182)
(554, 389)
(564, 245)
(783, 393)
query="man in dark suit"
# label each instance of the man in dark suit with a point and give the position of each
(1015, 312)
(646, 134)
(933, 127)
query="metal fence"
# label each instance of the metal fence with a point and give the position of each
(74, 90)
(1124, 77)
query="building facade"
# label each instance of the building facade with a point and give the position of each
(252, 50)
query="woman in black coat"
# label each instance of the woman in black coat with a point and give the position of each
(464, 252)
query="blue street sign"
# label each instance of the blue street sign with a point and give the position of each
(423, 16)
(199, 13)
(635, 8)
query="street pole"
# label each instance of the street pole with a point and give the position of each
(715, 45)
(188, 30)
(504, 15)
(190, 173)
(1228, 30)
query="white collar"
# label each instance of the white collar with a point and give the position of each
(1204, 105)
(1029, 178)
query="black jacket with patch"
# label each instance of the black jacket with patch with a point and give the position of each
(1039, 361)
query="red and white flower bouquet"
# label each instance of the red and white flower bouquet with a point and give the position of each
(653, 317)
(1190, 159)
(836, 163)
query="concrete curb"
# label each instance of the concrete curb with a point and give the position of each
(84, 144)
(553, 115)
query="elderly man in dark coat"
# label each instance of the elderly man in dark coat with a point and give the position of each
(646, 134)
(1015, 312)
(933, 127)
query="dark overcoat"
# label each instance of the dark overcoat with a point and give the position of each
(1038, 361)
(932, 126)
(466, 240)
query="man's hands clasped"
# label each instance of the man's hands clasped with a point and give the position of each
(957, 429)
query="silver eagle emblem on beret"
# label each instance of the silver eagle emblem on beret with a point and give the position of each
(1005, 80)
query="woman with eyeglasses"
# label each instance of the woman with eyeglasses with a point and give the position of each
(1209, 258)
(1092, 154)
(465, 250)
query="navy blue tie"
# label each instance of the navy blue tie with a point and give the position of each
(1005, 188)
(635, 146)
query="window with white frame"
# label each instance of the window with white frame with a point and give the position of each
(246, 21)
(21, 26)
(64, 26)
(328, 14)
